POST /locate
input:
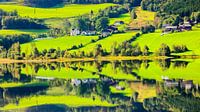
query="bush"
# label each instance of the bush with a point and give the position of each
(164, 50)
(179, 48)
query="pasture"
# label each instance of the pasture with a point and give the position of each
(189, 38)
(62, 11)
(61, 42)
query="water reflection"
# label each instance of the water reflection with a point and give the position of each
(128, 86)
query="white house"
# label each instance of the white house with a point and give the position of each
(75, 32)
(117, 23)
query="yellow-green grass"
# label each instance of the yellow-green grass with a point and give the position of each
(154, 71)
(109, 41)
(62, 73)
(123, 17)
(127, 92)
(144, 91)
(143, 18)
(71, 101)
(55, 12)
(21, 31)
(189, 38)
(61, 42)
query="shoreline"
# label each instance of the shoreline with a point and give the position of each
(107, 58)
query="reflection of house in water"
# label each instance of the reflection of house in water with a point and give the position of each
(117, 23)
(119, 87)
(171, 83)
(188, 84)
(185, 84)
(77, 82)
(44, 78)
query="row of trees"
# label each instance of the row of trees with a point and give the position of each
(13, 22)
(50, 3)
(132, 2)
(180, 7)
(173, 12)
(97, 22)
(42, 3)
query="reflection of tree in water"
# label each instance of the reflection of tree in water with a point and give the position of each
(180, 64)
(173, 99)
(164, 63)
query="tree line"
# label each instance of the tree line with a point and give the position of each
(50, 3)
(173, 12)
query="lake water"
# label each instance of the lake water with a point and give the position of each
(123, 86)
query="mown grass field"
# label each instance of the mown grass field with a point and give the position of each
(108, 42)
(61, 42)
(189, 38)
(55, 12)
(21, 31)
(71, 101)
(68, 41)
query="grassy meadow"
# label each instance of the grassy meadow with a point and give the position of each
(68, 41)
(189, 38)
(61, 42)
(109, 41)
(63, 11)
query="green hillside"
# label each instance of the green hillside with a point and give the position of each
(108, 42)
(56, 12)
(191, 39)
(61, 42)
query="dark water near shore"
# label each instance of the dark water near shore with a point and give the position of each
(124, 86)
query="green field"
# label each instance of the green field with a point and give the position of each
(191, 39)
(68, 41)
(62, 42)
(22, 31)
(71, 101)
(123, 17)
(56, 12)
(108, 42)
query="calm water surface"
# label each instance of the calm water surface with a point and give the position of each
(124, 86)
